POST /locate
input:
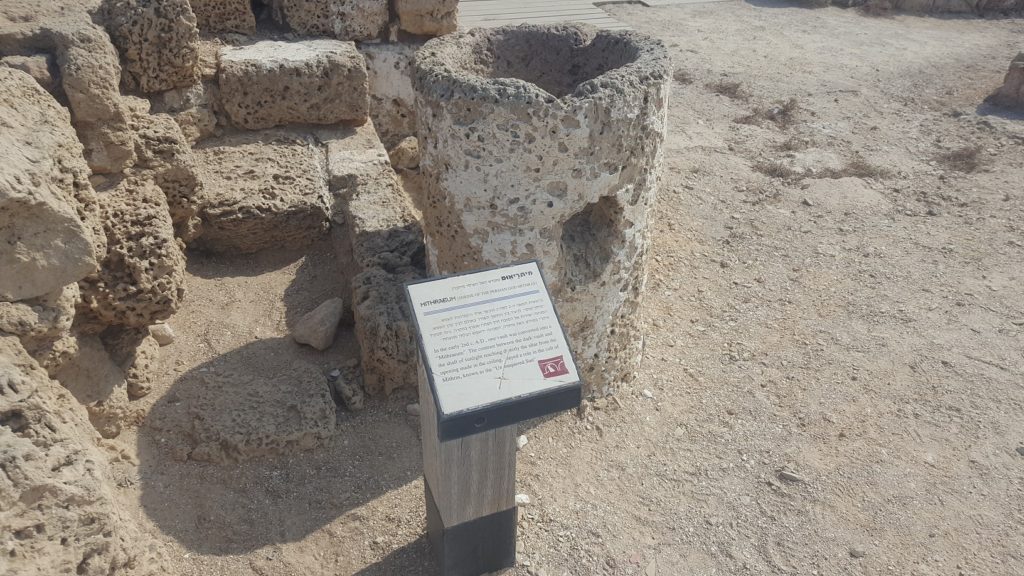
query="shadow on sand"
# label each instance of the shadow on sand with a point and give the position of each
(234, 508)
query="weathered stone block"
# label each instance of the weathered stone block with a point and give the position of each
(59, 510)
(158, 42)
(165, 156)
(379, 245)
(1011, 93)
(224, 415)
(312, 82)
(142, 278)
(42, 68)
(428, 17)
(91, 78)
(46, 245)
(392, 98)
(224, 15)
(342, 19)
(194, 109)
(261, 190)
(545, 142)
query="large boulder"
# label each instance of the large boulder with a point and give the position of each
(261, 190)
(142, 277)
(1011, 94)
(46, 243)
(224, 15)
(274, 83)
(57, 507)
(342, 19)
(428, 17)
(158, 41)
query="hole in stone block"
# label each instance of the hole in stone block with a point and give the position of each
(556, 59)
(589, 241)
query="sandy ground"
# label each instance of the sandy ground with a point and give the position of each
(835, 365)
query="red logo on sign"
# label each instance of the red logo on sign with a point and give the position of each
(552, 367)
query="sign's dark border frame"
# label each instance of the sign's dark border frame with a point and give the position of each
(502, 412)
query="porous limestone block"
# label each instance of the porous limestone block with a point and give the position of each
(342, 19)
(46, 244)
(165, 156)
(40, 322)
(261, 190)
(42, 68)
(379, 246)
(545, 142)
(224, 16)
(158, 42)
(91, 78)
(194, 109)
(142, 277)
(1011, 94)
(273, 83)
(224, 415)
(60, 514)
(428, 17)
(392, 98)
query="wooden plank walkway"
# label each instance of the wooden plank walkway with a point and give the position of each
(490, 13)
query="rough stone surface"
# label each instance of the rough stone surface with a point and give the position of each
(42, 68)
(428, 17)
(98, 383)
(40, 322)
(380, 243)
(162, 333)
(317, 327)
(194, 108)
(91, 78)
(261, 190)
(392, 98)
(158, 42)
(46, 243)
(135, 351)
(342, 19)
(142, 278)
(384, 327)
(545, 142)
(224, 16)
(274, 83)
(1011, 94)
(406, 155)
(165, 156)
(221, 416)
(57, 509)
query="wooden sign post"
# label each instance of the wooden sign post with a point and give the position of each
(492, 353)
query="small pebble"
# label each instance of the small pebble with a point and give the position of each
(858, 552)
(790, 476)
(334, 374)
(1020, 450)
(647, 393)
(413, 409)
(522, 500)
(521, 441)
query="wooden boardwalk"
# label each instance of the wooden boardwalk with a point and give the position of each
(490, 13)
